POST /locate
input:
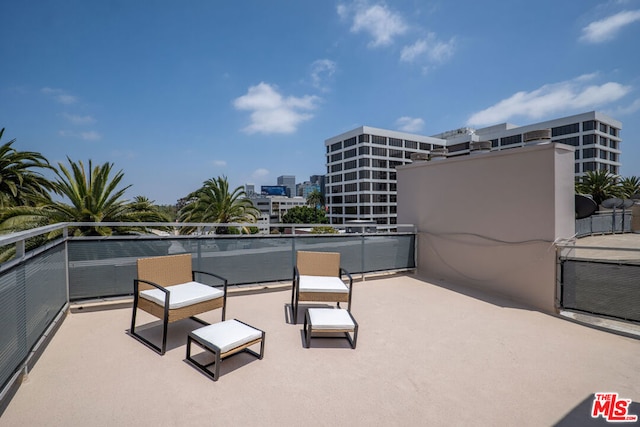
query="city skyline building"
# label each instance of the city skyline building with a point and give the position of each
(288, 181)
(361, 180)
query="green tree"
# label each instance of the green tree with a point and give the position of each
(215, 203)
(630, 186)
(21, 184)
(91, 196)
(315, 199)
(305, 215)
(601, 185)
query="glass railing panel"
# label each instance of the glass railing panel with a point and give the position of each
(349, 246)
(389, 252)
(13, 341)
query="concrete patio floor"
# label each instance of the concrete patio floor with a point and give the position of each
(426, 355)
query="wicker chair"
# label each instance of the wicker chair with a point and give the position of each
(317, 276)
(166, 288)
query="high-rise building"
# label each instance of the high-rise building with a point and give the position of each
(361, 177)
(288, 181)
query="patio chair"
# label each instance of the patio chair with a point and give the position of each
(317, 276)
(166, 288)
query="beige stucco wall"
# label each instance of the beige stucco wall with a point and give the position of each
(489, 221)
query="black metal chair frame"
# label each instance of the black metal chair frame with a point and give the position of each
(165, 319)
(219, 356)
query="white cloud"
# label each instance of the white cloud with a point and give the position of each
(321, 71)
(79, 120)
(260, 173)
(410, 124)
(607, 28)
(629, 109)
(434, 50)
(551, 99)
(377, 20)
(86, 136)
(273, 113)
(220, 163)
(60, 96)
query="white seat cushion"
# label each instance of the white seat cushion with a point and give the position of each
(183, 295)
(226, 335)
(330, 318)
(322, 284)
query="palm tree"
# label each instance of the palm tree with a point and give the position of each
(315, 199)
(20, 183)
(601, 185)
(630, 186)
(93, 196)
(213, 202)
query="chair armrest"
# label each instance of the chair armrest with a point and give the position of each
(296, 276)
(345, 272)
(224, 281)
(155, 285)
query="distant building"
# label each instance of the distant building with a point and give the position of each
(288, 181)
(273, 208)
(361, 178)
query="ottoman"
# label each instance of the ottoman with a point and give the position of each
(330, 320)
(224, 339)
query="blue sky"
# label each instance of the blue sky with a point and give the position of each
(174, 93)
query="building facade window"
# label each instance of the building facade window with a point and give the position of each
(411, 144)
(377, 151)
(349, 142)
(395, 142)
(336, 168)
(588, 153)
(509, 140)
(351, 164)
(350, 187)
(336, 157)
(396, 153)
(379, 174)
(380, 140)
(337, 146)
(565, 130)
(364, 174)
(378, 163)
(588, 125)
(588, 139)
(363, 138)
(351, 176)
(350, 153)
(574, 140)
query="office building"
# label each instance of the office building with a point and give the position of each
(288, 181)
(361, 178)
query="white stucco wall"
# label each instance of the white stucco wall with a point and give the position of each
(489, 221)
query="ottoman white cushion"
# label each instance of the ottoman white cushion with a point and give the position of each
(183, 295)
(226, 335)
(330, 318)
(322, 284)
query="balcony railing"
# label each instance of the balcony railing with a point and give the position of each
(36, 286)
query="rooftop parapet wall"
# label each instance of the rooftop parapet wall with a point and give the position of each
(490, 221)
